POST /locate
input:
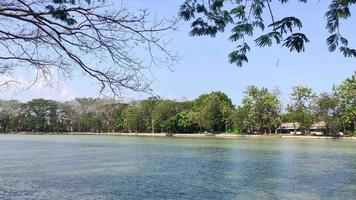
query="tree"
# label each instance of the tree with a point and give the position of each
(300, 110)
(87, 114)
(325, 107)
(65, 117)
(346, 93)
(183, 122)
(106, 110)
(212, 111)
(268, 107)
(133, 118)
(240, 122)
(163, 111)
(248, 17)
(259, 111)
(9, 115)
(148, 107)
(119, 117)
(40, 115)
(170, 125)
(186, 123)
(56, 37)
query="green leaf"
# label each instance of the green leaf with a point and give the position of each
(296, 42)
(348, 52)
(266, 40)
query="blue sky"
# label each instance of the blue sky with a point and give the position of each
(204, 66)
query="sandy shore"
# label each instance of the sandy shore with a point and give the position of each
(195, 135)
(183, 135)
(315, 137)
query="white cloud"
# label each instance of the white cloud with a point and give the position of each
(66, 94)
(6, 78)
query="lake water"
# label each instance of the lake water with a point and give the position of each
(103, 167)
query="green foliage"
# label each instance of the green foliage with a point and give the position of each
(325, 107)
(212, 111)
(119, 118)
(148, 107)
(259, 112)
(9, 115)
(40, 115)
(234, 131)
(87, 117)
(183, 122)
(251, 16)
(346, 93)
(170, 125)
(133, 118)
(186, 122)
(163, 111)
(59, 10)
(300, 111)
(119, 124)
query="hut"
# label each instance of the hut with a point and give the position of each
(290, 127)
(318, 128)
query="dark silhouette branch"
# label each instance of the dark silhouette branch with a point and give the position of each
(64, 37)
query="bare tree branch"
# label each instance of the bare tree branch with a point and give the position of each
(108, 45)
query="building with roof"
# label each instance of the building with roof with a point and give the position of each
(318, 128)
(289, 127)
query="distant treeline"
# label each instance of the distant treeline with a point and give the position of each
(259, 112)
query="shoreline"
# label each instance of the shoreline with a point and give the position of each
(190, 135)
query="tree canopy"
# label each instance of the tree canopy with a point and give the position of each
(248, 17)
(301, 108)
(259, 112)
(347, 97)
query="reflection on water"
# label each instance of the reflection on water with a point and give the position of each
(94, 167)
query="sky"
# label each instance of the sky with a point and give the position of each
(204, 65)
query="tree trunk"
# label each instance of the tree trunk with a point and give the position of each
(152, 126)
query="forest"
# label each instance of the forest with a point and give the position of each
(260, 112)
